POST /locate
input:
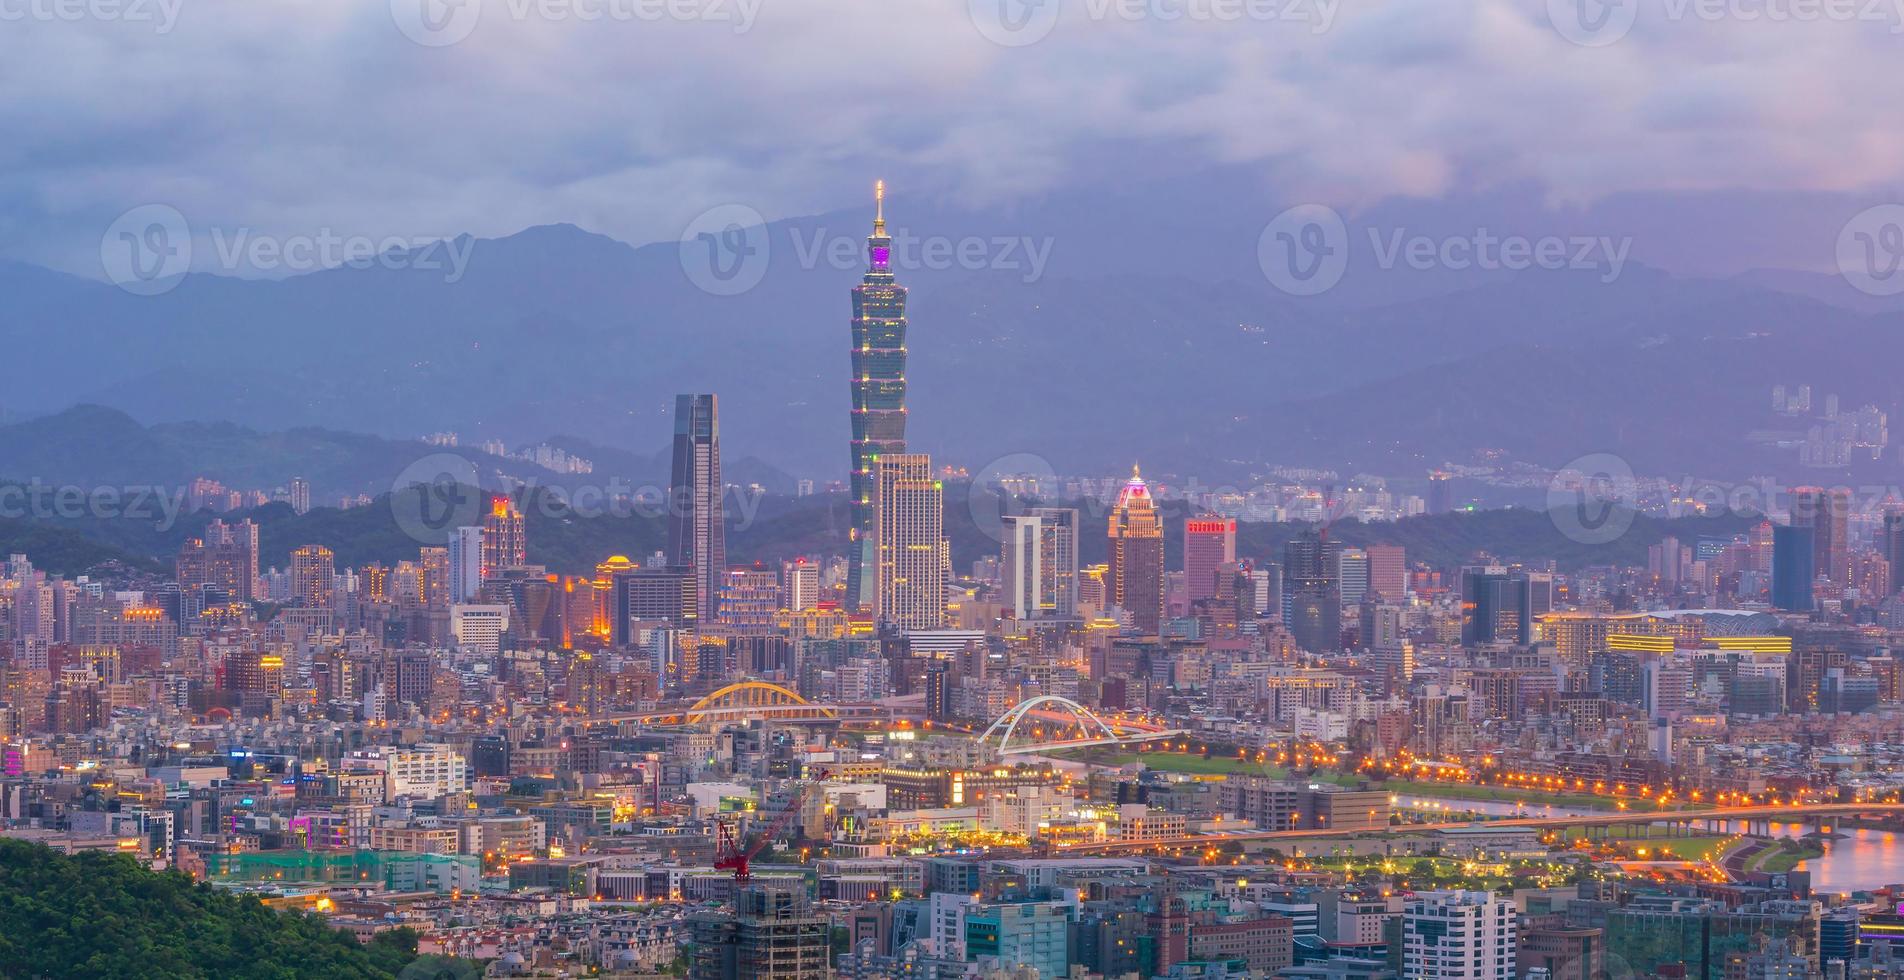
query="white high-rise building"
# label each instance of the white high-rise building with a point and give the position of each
(424, 772)
(799, 584)
(1352, 575)
(909, 542)
(479, 627)
(1039, 564)
(466, 564)
(1471, 935)
(947, 913)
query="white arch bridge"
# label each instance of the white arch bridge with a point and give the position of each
(1068, 714)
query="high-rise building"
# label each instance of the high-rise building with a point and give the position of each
(466, 564)
(1312, 597)
(1033, 933)
(909, 535)
(749, 599)
(1565, 951)
(313, 568)
(1793, 571)
(1209, 542)
(225, 560)
(665, 595)
(1703, 939)
(939, 690)
(1828, 514)
(1891, 544)
(799, 585)
(1039, 564)
(300, 495)
(505, 538)
(879, 398)
(1136, 578)
(1352, 575)
(697, 537)
(432, 577)
(1459, 934)
(1440, 493)
(772, 934)
(1268, 579)
(1388, 571)
(1495, 606)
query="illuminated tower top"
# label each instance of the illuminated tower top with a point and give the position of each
(1136, 514)
(879, 244)
(879, 395)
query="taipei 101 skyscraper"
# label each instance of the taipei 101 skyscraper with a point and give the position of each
(879, 395)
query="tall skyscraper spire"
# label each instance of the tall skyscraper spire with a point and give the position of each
(879, 397)
(697, 534)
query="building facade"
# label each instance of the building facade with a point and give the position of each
(879, 398)
(1135, 581)
(697, 535)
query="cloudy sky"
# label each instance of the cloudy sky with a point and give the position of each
(422, 118)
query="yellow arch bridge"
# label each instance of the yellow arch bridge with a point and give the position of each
(759, 699)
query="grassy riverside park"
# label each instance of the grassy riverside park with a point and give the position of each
(1199, 765)
(1785, 854)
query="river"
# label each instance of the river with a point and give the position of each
(1858, 861)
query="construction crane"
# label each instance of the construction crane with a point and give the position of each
(730, 857)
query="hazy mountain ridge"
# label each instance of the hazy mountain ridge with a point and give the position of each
(1166, 346)
(94, 446)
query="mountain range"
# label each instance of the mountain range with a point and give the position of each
(95, 446)
(1145, 332)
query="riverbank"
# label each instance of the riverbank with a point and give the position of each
(1199, 765)
(1785, 854)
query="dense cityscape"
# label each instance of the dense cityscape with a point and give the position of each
(951, 490)
(1324, 760)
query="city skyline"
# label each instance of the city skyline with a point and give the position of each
(1395, 491)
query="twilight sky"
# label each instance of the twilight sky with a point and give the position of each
(419, 118)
